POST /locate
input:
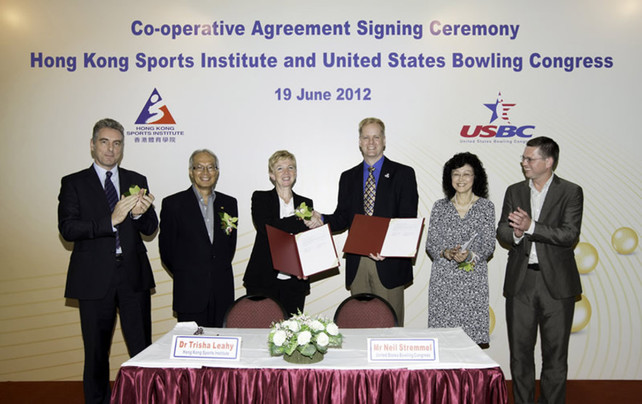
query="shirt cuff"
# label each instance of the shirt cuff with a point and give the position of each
(531, 228)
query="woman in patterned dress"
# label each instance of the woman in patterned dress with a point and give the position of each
(461, 238)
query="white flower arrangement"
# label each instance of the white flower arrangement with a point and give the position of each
(303, 334)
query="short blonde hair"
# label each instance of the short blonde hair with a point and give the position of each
(280, 155)
(368, 121)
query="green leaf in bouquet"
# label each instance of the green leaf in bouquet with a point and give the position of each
(467, 266)
(308, 349)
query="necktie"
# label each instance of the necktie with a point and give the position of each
(112, 199)
(369, 193)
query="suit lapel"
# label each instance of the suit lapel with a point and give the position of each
(524, 201)
(552, 198)
(357, 178)
(525, 198)
(123, 181)
(193, 210)
(218, 225)
(274, 206)
(97, 187)
(385, 178)
(297, 200)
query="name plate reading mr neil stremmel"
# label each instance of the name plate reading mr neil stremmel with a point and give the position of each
(206, 347)
(403, 350)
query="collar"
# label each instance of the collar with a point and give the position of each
(198, 194)
(544, 188)
(102, 173)
(377, 165)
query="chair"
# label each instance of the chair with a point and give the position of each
(365, 310)
(253, 311)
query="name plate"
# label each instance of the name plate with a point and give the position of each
(403, 350)
(206, 347)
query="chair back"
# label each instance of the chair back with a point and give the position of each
(253, 311)
(365, 310)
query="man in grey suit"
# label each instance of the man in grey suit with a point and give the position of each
(540, 222)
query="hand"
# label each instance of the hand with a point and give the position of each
(143, 203)
(460, 256)
(376, 257)
(520, 221)
(315, 221)
(122, 209)
(456, 254)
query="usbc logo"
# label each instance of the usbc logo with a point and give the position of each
(499, 110)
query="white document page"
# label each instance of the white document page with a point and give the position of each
(402, 238)
(316, 250)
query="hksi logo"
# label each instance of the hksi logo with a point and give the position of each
(499, 110)
(155, 112)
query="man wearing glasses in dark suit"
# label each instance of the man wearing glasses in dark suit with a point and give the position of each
(197, 242)
(540, 222)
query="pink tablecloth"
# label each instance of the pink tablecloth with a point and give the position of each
(236, 385)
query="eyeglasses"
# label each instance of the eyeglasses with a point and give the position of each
(465, 176)
(528, 160)
(209, 169)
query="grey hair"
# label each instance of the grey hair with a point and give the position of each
(107, 123)
(211, 153)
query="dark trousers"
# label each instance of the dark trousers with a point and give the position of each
(532, 308)
(289, 292)
(214, 312)
(98, 320)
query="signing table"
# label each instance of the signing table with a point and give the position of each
(464, 373)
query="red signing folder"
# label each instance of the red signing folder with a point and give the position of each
(396, 237)
(302, 254)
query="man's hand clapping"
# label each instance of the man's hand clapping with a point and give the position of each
(145, 200)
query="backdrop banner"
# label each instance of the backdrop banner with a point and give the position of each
(245, 79)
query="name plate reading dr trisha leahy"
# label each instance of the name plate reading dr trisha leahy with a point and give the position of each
(205, 347)
(403, 350)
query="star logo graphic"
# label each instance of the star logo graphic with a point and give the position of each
(500, 109)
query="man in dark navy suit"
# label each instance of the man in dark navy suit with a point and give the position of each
(109, 269)
(395, 196)
(197, 242)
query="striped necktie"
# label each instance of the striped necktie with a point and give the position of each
(112, 200)
(369, 193)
